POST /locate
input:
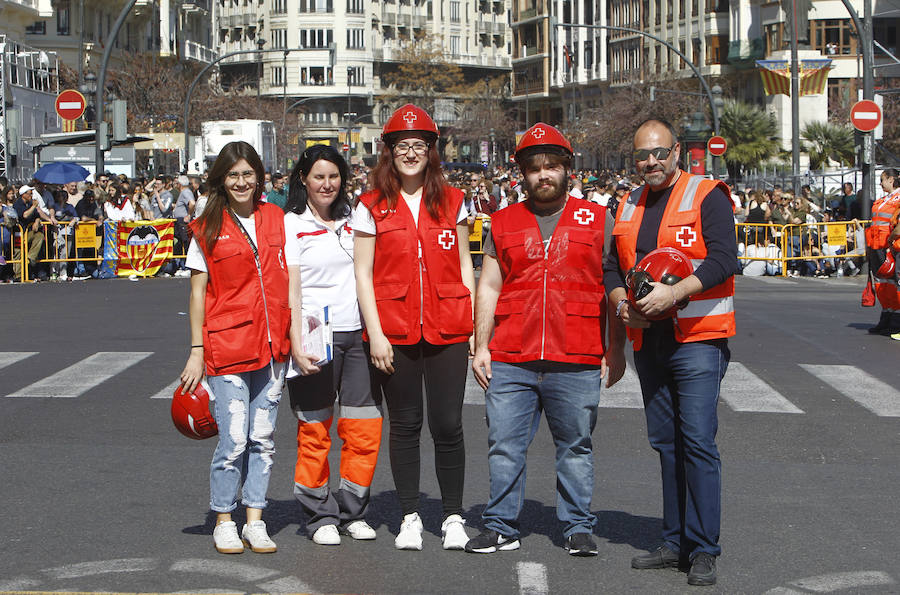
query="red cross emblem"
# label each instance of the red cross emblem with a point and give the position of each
(538, 133)
(447, 239)
(410, 117)
(686, 237)
(584, 216)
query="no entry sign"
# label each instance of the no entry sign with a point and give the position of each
(865, 115)
(70, 104)
(717, 146)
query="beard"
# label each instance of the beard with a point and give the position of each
(657, 174)
(547, 192)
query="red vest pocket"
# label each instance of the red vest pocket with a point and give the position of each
(455, 306)
(227, 338)
(508, 321)
(584, 327)
(393, 311)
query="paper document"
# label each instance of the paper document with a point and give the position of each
(317, 336)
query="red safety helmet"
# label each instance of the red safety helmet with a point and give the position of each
(543, 136)
(410, 118)
(665, 265)
(191, 414)
(887, 268)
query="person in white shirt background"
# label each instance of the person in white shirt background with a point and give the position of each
(319, 256)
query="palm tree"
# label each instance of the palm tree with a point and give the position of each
(827, 141)
(750, 133)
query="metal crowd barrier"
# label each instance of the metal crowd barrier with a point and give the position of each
(17, 257)
(476, 234)
(832, 242)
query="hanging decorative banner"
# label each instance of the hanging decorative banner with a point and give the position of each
(776, 76)
(144, 246)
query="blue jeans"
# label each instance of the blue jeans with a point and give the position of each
(246, 408)
(680, 383)
(570, 395)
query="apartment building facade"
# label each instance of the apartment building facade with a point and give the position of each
(346, 46)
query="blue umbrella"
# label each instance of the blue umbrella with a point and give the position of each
(61, 173)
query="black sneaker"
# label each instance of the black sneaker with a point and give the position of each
(703, 570)
(661, 557)
(581, 544)
(490, 541)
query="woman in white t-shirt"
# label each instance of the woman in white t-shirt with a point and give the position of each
(118, 207)
(414, 280)
(319, 255)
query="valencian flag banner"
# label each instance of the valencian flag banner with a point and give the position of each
(776, 76)
(144, 246)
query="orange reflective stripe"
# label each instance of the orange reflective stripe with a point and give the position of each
(313, 444)
(359, 454)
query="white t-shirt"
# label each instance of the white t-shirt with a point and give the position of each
(114, 213)
(195, 258)
(325, 258)
(362, 219)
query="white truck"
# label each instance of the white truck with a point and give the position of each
(259, 133)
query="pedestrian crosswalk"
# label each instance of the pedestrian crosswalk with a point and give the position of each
(743, 390)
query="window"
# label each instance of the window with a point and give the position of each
(278, 76)
(356, 76)
(316, 6)
(454, 11)
(316, 38)
(454, 45)
(355, 6)
(316, 75)
(832, 36)
(355, 38)
(318, 117)
(37, 28)
(279, 38)
(279, 6)
(774, 37)
(63, 12)
(717, 49)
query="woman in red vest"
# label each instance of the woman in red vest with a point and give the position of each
(240, 320)
(414, 282)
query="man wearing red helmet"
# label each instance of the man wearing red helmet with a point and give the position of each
(680, 361)
(541, 296)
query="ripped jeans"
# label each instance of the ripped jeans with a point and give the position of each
(246, 407)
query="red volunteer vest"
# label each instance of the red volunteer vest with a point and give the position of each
(416, 297)
(552, 305)
(882, 210)
(242, 310)
(710, 313)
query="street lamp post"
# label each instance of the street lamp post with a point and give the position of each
(260, 42)
(349, 113)
(88, 88)
(493, 147)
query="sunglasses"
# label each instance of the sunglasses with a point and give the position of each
(659, 153)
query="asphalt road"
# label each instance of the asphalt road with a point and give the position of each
(102, 494)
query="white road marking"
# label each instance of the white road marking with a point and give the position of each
(838, 581)
(287, 584)
(84, 569)
(532, 578)
(19, 584)
(84, 375)
(880, 398)
(222, 569)
(167, 392)
(8, 358)
(625, 394)
(743, 390)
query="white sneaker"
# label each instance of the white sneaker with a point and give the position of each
(327, 535)
(226, 538)
(454, 533)
(410, 536)
(257, 539)
(360, 530)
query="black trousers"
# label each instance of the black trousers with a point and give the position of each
(443, 369)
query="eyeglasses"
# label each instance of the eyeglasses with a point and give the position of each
(420, 148)
(473, 180)
(249, 175)
(660, 153)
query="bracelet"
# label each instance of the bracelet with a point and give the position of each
(674, 299)
(196, 346)
(619, 307)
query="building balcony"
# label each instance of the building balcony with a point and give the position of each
(195, 6)
(742, 54)
(485, 27)
(32, 8)
(199, 53)
(388, 18)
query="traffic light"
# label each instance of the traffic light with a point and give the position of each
(120, 119)
(103, 135)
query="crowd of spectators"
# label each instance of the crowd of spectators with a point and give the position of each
(50, 212)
